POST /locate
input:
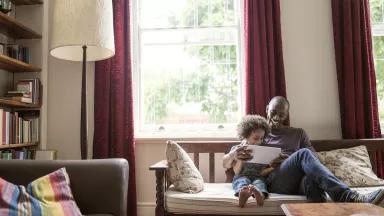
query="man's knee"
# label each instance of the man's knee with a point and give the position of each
(305, 151)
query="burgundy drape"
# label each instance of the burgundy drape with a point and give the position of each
(356, 72)
(113, 136)
(264, 65)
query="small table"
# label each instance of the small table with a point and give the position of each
(332, 209)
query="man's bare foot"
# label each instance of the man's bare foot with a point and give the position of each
(244, 194)
(259, 196)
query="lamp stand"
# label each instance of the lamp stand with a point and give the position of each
(83, 119)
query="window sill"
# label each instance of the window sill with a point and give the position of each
(163, 140)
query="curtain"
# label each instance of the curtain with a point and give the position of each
(113, 136)
(356, 72)
(264, 65)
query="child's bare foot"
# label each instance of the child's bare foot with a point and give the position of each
(244, 194)
(259, 196)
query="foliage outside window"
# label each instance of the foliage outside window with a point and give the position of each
(377, 22)
(188, 65)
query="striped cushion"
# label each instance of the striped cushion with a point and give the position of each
(47, 195)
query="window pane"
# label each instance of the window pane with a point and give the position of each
(186, 13)
(189, 87)
(376, 11)
(378, 45)
(188, 71)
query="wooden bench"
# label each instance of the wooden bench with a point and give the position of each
(212, 147)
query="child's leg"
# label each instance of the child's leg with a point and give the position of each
(240, 185)
(259, 191)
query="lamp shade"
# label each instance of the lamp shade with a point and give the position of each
(78, 23)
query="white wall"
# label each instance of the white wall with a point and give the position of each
(310, 67)
(310, 78)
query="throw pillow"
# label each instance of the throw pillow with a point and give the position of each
(182, 172)
(47, 195)
(351, 165)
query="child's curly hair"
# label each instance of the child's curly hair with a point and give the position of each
(250, 123)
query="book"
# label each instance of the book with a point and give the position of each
(263, 154)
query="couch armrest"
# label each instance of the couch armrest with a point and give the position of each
(160, 169)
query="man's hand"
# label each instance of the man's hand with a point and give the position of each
(278, 160)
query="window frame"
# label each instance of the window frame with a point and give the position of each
(229, 130)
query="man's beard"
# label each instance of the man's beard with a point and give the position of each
(275, 123)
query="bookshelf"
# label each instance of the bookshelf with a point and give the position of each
(27, 2)
(14, 29)
(21, 121)
(14, 65)
(23, 145)
(17, 104)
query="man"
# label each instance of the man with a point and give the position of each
(302, 172)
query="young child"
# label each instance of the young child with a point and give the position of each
(248, 180)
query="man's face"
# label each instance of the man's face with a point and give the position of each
(277, 112)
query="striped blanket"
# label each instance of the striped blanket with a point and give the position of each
(45, 196)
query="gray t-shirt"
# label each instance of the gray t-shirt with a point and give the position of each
(289, 139)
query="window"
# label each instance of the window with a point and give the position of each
(187, 64)
(377, 22)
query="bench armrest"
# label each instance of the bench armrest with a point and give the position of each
(160, 169)
(161, 165)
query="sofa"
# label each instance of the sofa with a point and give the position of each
(99, 186)
(218, 198)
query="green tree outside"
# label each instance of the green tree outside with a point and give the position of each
(376, 7)
(214, 86)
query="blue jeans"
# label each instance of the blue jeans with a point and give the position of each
(302, 173)
(241, 181)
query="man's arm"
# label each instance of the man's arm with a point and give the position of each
(306, 143)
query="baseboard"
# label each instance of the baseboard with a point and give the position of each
(146, 208)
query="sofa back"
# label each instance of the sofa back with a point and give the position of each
(99, 186)
(213, 147)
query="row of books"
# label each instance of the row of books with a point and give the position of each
(27, 91)
(5, 6)
(15, 51)
(24, 154)
(15, 128)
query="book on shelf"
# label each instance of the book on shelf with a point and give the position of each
(31, 90)
(18, 52)
(16, 128)
(23, 154)
(27, 91)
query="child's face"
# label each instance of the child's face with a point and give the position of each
(256, 137)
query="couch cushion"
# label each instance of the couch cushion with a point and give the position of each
(218, 198)
(182, 172)
(351, 165)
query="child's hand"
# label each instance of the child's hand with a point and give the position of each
(243, 153)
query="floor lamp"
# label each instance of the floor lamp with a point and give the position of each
(82, 30)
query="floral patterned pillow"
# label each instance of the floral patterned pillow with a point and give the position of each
(351, 165)
(182, 172)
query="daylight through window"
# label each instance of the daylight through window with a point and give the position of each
(377, 22)
(188, 65)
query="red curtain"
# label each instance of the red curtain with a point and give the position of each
(113, 136)
(263, 54)
(356, 72)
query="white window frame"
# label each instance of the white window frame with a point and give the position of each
(229, 130)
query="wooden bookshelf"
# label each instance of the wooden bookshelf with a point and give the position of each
(26, 2)
(14, 29)
(14, 65)
(21, 145)
(14, 103)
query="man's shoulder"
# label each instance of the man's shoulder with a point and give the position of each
(291, 129)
